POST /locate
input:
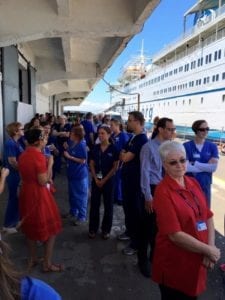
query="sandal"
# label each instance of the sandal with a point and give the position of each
(53, 268)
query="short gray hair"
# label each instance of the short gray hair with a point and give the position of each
(168, 147)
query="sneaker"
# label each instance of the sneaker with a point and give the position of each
(123, 237)
(105, 235)
(129, 251)
(79, 222)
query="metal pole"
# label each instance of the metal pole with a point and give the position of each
(138, 102)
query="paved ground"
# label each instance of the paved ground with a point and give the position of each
(96, 269)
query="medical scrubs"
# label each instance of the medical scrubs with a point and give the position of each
(77, 174)
(131, 188)
(119, 141)
(12, 149)
(104, 161)
(35, 289)
(208, 151)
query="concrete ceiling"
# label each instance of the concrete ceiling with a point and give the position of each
(73, 42)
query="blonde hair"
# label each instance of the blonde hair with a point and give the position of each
(9, 278)
(12, 128)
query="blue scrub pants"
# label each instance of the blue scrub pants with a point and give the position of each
(107, 192)
(78, 197)
(118, 187)
(12, 209)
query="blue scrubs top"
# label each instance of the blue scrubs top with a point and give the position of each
(76, 170)
(12, 149)
(104, 160)
(208, 151)
(34, 289)
(120, 140)
(88, 128)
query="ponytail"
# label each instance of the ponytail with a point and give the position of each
(9, 278)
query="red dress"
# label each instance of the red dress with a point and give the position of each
(38, 209)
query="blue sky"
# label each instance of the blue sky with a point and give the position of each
(163, 27)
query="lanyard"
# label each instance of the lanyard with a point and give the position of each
(196, 208)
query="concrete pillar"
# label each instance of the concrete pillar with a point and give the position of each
(10, 86)
(32, 87)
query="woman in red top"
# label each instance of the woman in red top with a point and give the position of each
(39, 213)
(185, 242)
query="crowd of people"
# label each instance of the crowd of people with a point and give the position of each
(163, 186)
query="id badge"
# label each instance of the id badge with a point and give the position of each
(196, 155)
(201, 226)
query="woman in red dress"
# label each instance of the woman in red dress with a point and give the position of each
(40, 219)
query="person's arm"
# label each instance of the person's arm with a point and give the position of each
(126, 156)
(190, 243)
(4, 174)
(145, 177)
(43, 178)
(210, 167)
(13, 162)
(73, 158)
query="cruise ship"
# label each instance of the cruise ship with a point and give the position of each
(186, 80)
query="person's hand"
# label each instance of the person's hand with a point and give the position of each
(149, 206)
(207, 263)
(99, 182)
(4, 172)
(213, 160)
(122, 152)
(213, 253)
(66, 154)
(65, 145)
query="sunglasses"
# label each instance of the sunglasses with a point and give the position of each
(171, 129)
(203, 129)
(176, 162)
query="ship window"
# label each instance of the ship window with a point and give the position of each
(217, 77)
(219, 54)
(166, 75)
(215, 55)
(206, 59)
(202, 100)
(201, 61)
(213, 78)
(210, 58)
(176, 102)
(204, 81)
(162, 77)
(223, 75)
(208, 79)
(168, 103)
(189, 101)
(175, 71)
(223, 98)
(181, 69)
(183, 102)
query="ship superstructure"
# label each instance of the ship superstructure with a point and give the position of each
(184, 81)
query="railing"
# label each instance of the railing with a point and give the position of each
(195, 29)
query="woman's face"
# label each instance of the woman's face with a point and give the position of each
(175, 164)
(114, 127)
(103, 135)
(202, 130)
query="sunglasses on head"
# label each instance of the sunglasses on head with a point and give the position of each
(203, 129)
(176, 162)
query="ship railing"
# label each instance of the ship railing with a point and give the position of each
(191, 31)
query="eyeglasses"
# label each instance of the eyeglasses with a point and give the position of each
(171, 129)
(176, 162)
(203, 129)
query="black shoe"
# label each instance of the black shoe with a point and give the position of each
(145, 268)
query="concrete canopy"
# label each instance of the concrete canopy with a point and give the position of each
(73, 42)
